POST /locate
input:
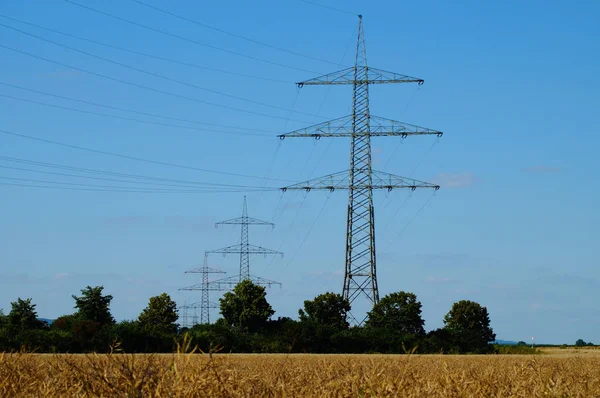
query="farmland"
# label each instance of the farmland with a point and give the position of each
(553, 373)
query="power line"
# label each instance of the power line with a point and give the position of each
(97, 151)
(156, 190)
(329, 8)
(107, 190)
(139, 85)
(211, 186)
(288, 231)
(166, 59)
(131, 110)
(389, 221)
(323, 103)
(129, 118)
(412, 97)
(307, 234)
(410, 221)
(158, 75)
(234, 34)
(186, 38)
(115, 174)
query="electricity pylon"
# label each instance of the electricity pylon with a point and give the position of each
(205, 287)
(360, 276)
(245, 249)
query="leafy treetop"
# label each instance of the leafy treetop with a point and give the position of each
(470, 318)
(400, 312)
(327, 309)
(160, 315)
(94, 306)
(23, 315)
(246, 307)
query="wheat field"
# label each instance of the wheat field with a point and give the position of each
(298, 375)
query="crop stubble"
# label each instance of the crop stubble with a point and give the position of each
(298, 375)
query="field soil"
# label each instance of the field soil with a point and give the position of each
(562, 374)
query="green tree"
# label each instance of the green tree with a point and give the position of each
(580, 343)
(3, 319)
(94, 306)
(400, 312)
(24, 316)
(246, 307)
(160, 316)
(469, 323)
(327, 309)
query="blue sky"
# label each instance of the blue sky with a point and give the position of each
(512, 85)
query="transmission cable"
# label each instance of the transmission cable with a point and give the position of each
(330, 8)
(288, 231)
(128, 50)
(409, 222)
(307, 234)
(321, 106)
(101, 152)
(211, 186)
(390, 219)
(158, 75)
(132, 119)
(234, 34)
(204, 190)
(114, 174)
(140, 85)
(186, 38)
(416, 90)
(109, 190)
(131, 110)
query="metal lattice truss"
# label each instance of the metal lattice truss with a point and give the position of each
(372, 76)
(230, 282)
(360, 276)
(204, 270)
(199, 286)
(341, 180)
(245, 220)
(204, 304)
(198, 304)
(379, 127)
(245, 248)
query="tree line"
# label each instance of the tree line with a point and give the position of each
(394, 325)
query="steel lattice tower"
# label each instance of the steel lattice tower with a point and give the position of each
(205, 287)
(360, 276)
(245, 250)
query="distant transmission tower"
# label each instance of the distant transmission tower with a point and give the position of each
(205, 287)
(360, 276)
(244, 249)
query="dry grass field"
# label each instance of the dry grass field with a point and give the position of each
(572, 374)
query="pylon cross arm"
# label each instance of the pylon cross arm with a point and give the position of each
(341, 180)
(244, 220)
(234, 280)
(250, 249)
(202, 270)
(198, 304)
(379, 127)
(372, 76)
(200, 287)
